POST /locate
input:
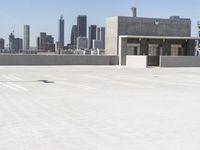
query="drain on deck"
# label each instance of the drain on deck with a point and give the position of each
(45, 81)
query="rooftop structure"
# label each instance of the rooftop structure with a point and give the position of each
(153, 37)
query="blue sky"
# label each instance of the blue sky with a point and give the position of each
(43, 15)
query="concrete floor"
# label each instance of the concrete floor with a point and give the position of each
(99, 108)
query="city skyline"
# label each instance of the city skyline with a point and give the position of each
(13, 14)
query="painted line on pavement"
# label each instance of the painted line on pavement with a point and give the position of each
(8, 86)
(17, 86)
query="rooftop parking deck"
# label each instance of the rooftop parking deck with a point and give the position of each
(99, 108)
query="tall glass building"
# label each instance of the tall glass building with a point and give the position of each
(82, 26)
(26, 37)
(74, 36)
(92, 35)
(61, 37)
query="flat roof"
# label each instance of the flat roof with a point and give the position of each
(99, 108)
(155, 18)
(159, 37)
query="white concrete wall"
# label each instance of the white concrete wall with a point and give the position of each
(179, 61)
(58, 60)
(136, 61)
(111, 36)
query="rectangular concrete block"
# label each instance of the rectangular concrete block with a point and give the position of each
(136, 61)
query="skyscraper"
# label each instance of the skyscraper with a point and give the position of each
(26, 37)
(74, 33)
(82, 26)
(61, 37)
(92, 35)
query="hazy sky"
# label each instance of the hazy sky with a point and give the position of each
(43, 15)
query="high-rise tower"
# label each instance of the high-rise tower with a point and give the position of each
(26, 37)
(61, 37)
(82, 26)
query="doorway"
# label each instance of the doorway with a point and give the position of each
(153, 55)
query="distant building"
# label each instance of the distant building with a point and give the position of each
(82, 43)
(58, 47)
(61, 37)
(198, 35)
(82, 26)
(101, 35)
(26, 37)
(38, 43)
(18, 45)
(98, 44)
(45, 42)
(2, 44)
(92, 35)
(74, 34)
(11, 42)
(15, 44)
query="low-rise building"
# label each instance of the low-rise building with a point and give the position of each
(98, 44)
(82, 43)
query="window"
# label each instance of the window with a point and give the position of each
(133, 49)
(176, 50)
(153, 50)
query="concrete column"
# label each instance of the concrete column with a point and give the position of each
(122, 50)
(144, 47)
